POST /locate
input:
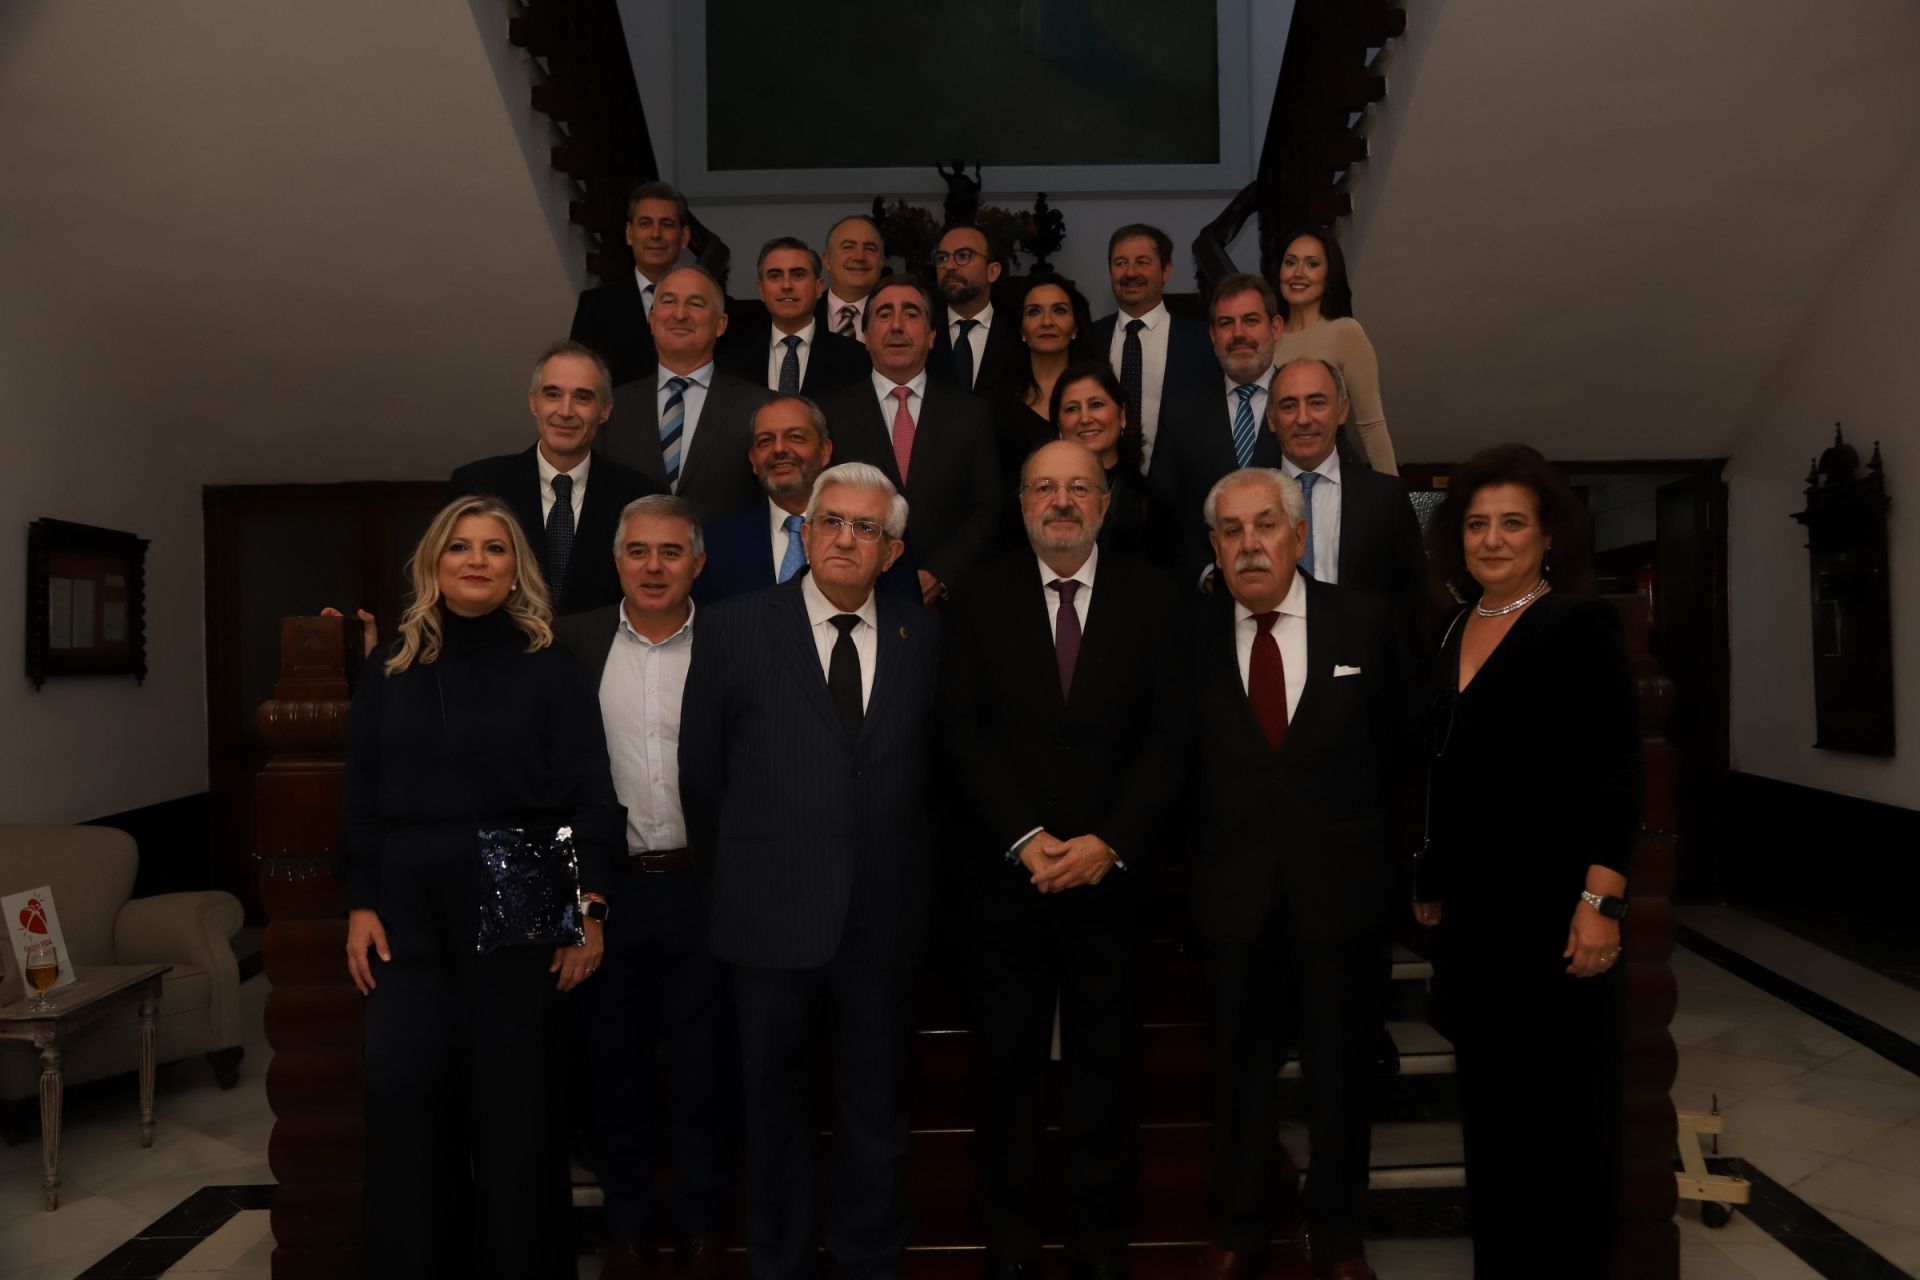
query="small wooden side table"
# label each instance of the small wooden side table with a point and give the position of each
(100, 992)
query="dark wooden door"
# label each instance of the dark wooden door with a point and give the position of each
(1690, 641)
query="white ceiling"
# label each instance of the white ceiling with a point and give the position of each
(1598, 227)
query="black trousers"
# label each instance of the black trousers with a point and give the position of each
(862, 1015)
(661, 1061)
(1080, 951)
(1329, 998)
(466, 1170)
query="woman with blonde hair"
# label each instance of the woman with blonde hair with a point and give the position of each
(475, 731)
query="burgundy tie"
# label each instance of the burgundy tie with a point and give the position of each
(902, 431)
(1066, 632)
(1267, 681)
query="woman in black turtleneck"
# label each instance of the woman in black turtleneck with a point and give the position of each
(474, 718)
(1089, 409)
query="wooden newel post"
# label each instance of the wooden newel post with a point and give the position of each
(1647, 1244)
(313, 1013)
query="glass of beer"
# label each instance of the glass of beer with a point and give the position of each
(43, 970)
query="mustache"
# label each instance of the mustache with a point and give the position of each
(1063, 513)
(1247, 561)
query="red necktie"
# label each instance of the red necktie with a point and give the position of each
(1267, 681)
(902, 431)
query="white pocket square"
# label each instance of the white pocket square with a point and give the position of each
(1339, 671)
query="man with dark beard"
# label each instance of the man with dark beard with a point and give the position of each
(975, 343)
(1062, 727)
(788, 448)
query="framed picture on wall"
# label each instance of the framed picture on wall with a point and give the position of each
(86, 602)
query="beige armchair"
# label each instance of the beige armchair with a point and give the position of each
(91, 872)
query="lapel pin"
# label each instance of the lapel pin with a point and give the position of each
(903, 633)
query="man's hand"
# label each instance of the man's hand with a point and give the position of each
(1068, 864)
(929, 587)
(369, 628)
(1427, 913)
(576, 964)
(1037, 863)
(365, 930)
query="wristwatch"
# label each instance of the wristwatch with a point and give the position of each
(594, 907)
(1611, 907)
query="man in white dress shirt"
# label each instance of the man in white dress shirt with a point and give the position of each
(794, 353)
(612, 318)
(856, 255)
(1152, 350)
(974, 344)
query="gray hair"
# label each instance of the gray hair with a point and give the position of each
(1291, 499)
(713, 281)
(862, 475)
(568, 347)
(1333, 372)
(814, 414)
(661, 506)
(787, 242)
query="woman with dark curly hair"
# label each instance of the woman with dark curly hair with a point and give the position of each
(1533, 811)
(1089, 408)
(1316, 313)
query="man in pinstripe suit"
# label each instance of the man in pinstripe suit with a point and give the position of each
(803, 775)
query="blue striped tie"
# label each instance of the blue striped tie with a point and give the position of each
(1308, 479)
(673, 420)
(796, 557)
(1243, 425)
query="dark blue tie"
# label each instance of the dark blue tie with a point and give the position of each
(1243, 432)
(790, 367)
(559, 534)
(795, 558)
(963, 353)
(1308, 479)
(1133, 373)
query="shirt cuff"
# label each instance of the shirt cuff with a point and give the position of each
(1013, 853)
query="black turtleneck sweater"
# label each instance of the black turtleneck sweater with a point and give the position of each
(485, 733)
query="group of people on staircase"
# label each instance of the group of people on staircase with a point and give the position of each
(904, 623)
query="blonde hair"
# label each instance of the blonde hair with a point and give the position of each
(528, 604)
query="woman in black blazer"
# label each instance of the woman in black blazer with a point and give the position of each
(1534, 811)
(474, 718)
(1088, 408)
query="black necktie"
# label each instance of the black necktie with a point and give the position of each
(963, 353)
(559, 534)
(843, 675)
(790, 367)
(1132, 373)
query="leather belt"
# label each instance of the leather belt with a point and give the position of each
(659, 860)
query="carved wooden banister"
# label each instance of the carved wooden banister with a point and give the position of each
(313, 1012)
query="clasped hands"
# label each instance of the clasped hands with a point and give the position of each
(365, 932)
(1054, 864)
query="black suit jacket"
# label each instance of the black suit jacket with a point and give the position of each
(813, 841)
(740, 559)
(1193, 450)
(1381, 552)
(1190, 358)
(833, 363)
(714, 474)
(1002, 350)
(514, 478)
(589, 637)
(1309, 829)
(612, 319)
(1100, 760)
(954, 494)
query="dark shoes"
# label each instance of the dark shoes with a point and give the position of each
(1224, 1264)
(629, 1260)
(696, 1257)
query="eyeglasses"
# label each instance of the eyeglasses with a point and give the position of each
(1078, 490)
(863, 530)
(958, 257)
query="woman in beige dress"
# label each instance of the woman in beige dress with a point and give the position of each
(1316, 308)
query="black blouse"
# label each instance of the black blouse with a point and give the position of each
(485, 733)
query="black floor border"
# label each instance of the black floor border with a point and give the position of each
(1889, 1044)
(1808, 1234)
(173, 1235)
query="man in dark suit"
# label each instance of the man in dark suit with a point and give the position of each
(660, 994)
(1060, 714)
(569, 398)
(1153, 351)
(764, 546)
(613, 318)
(1301, 726)
(793, 353)
(804, 773)
(686, 424)
(855, 259)
(1205, 432)
(1361, 530)
(975, 344)
(933, 441)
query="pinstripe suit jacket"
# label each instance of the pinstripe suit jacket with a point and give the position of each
(811, 840)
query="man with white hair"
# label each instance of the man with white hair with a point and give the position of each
(1303, 725)
(803, 774)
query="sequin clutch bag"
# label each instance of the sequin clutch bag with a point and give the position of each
(529, 889)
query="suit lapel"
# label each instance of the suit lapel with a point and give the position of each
(707, 430)
(889, 659)
(1225, 642)
(793, 634)
(525, 501)
(1321, 628)
(869, 430)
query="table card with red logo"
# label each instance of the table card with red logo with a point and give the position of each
(30, 918)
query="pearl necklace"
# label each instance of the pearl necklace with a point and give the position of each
(1540, 588)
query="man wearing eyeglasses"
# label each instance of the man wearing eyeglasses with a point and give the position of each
(932, 440)
(1060, 719)
(803, 777)
(975, 344)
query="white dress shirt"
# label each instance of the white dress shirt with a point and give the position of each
(836, 304)
(1289, 631)
(1153, 368)
(777, 353)
(646, 290)
(640, 692)
(694, 398)
(883, 386)
(548, 471)
(1083, 575)
(976, 336)
(777, 520)
(821, 613)
(1326, 515)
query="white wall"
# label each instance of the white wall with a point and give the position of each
(745, 225)
(1855, 365)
